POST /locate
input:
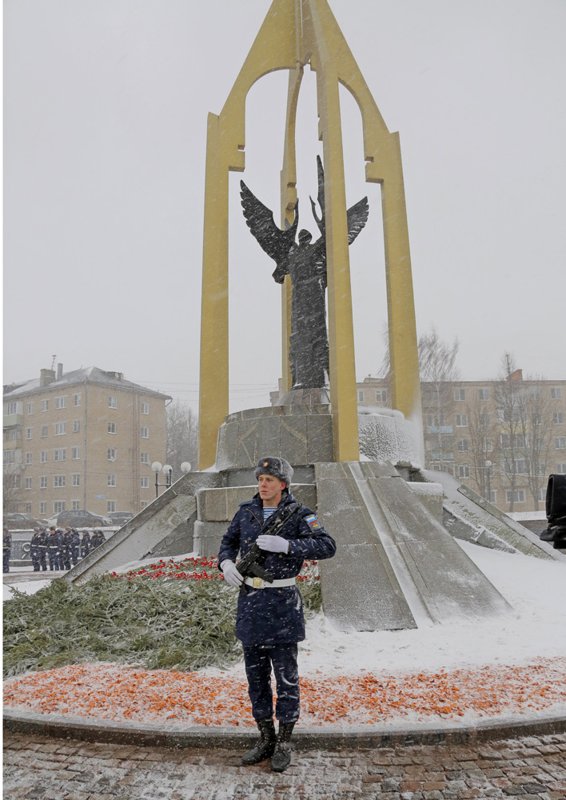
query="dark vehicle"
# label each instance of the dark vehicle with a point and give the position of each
(80, 519)
(120, 517)
(15, 521)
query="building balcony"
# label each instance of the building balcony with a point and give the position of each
(13, 420)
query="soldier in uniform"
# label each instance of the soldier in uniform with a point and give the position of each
(6, 550)
(42, 547)
(75, 546)
(65, 552)
(97, 539)
(34, 549)
(54, 548)
(86, 544)
(270, 620)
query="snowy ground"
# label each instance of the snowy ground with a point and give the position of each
(512, 666)
(534, 628)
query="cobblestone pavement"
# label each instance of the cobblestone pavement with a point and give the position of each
(37, 768)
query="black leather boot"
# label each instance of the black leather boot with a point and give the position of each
(265, 745)
(282, 755)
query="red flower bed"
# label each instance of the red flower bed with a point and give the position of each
(197, 569)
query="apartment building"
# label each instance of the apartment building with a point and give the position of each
(84, 439)
(501, 438)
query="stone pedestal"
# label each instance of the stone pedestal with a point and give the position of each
(300, 433)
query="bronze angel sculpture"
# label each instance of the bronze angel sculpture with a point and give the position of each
(305, 263)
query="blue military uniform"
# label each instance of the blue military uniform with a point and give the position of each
(270, 621)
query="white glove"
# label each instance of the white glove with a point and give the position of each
(231, 574)
(273, 544)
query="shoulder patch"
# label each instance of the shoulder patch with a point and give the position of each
(312, 522)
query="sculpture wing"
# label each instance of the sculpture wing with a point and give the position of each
(357, 218)
(275, 242)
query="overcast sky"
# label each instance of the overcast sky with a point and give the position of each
(105, 113)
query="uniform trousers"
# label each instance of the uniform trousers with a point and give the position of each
(259, 660)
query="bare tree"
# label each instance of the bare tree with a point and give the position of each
(507, 398)
(483, 432)
(437, 361)
(535, 418)
(182, 435)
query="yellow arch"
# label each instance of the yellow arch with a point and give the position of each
(294, 33)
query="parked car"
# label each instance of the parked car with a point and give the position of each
(120, 517)
(15, 521)
(79, 519)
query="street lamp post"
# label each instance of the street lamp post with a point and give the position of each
(167, 470)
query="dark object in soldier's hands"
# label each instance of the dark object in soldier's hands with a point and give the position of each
(251, 565)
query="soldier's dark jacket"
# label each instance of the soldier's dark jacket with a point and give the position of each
(274, 616)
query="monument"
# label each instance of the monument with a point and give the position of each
(305, 263)
(397, 565)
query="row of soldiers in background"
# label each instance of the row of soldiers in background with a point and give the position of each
(6, 550)
(61, 549)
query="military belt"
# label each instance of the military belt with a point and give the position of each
(259, 583)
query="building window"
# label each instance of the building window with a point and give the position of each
(381, 396)
(58, 506)
(111, 506)
(515, 495)
(463, 470)
(44, 405)
(75, 453)
(560, 442)
(558, 418)
(44, 431)
(520, 466)
(28, 433)
(9, 456)
(144, 458)
(12, 435)
(12, 408)
(483, 394)
(29, 458)
(360, 396)
(488, 445)
(459, 395)
(145, 408)
(561, 469)
(463, 445)
(111, 454)
(76, 426)
(43, 482)
(555, 392)
(461, 420)
(111, 427)
(27, 483)
(60, 454)
(144, 483)
(111, 480)
(112, 401)
(43, 508)
(43, 457)
(75, 505)
(29, 408)
(144, 432)
(59, 481)
(76, 479)
(60, 428)
(60, 402)
(77, 399)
